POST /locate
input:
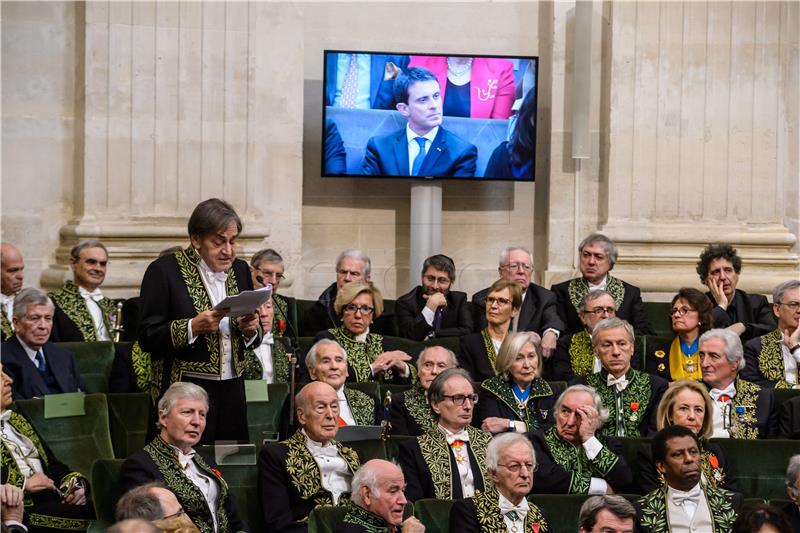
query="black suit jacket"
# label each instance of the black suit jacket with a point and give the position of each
(752, 310)
(321, 315)
(539, 310)
(335, 157)
(456, 317)
(448, 156)
(28, 383)
(381, 91)
(792, 513)
(540, 406)
(789, 419)
(473, 357)
(403, 423)
(631, 309)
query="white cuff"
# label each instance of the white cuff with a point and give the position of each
(593, 447)
(406, 372)
(555, 332)
(428, 315)
(520, 427)
(191, 336)
(598, 486)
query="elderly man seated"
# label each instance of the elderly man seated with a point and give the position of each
(773, 360)
(309, 468)
(572, 458)
(378, 501)
(510, 462)
(631, 396)
(54, 496)
(598, 254)
(37, 366)
(410, 413)
(792, 509)
(607, 513)
(447, 461)
(327, 362)
(742, 410)
(683, 504)
(351, 265)
(749, 315)
(170, 458)
(156, 504)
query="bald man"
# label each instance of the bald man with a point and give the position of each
(12, 274)
(309, 468)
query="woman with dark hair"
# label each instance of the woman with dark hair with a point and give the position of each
(680, 358)
(761, 518)
(513, 159)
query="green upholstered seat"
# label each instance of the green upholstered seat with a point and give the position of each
(630, 447)
(435, 514)
(759, 466)
(243, 482)
(78, 440)
(368, 449)
(412, 348)
(326, 518)
(94, 360)
(660, 319)
(268, 416)
(305, 343)
(386, 324)
(451, 343)
(371, 388)
(784, 395)
(393, 445)
(396, 389)
(106, 489)
(128, 416)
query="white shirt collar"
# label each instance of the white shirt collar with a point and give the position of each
(598, 286)
(430, 136)
(28, 350)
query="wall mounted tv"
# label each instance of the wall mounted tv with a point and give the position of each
(401, 115)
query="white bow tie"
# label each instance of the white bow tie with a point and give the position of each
(95, 295)
(729, 391)
(452, 437)
(219, 277)
(680, 497)
(185, 458)
(521, 509)
(620, 383)
(6, 299)
(329, 450)
(5, 416)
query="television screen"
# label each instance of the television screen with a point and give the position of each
(395, 115)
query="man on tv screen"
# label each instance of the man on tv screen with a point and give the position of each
(423, 147)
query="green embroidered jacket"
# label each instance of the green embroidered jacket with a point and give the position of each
(304, 472)
(654, 516)
(280, 364)
(362, 405)
(490, 519)
(71, 303)
(370, 522)
(767, 364)
(500, 389)
(639, 402)
(5, 326)
(361, 354)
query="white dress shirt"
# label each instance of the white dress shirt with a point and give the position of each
(790, 363)
(214, 283)
(513, 526)
(461, 455)
(264, 353)
(92, 298)
(600, 286)
(592, 448)
(720, 431)
(22, 449)
(336, 476)
(345, 412)
(413, 146)
(202, 481)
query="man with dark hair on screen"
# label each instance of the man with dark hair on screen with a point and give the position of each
(423, 147)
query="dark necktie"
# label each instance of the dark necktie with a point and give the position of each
(41, 365)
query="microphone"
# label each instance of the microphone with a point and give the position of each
(288, 321)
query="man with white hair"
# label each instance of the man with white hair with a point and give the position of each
(351, 265)
(170, 458)
(773, 360)
(539, 311)
(511, 463)
(792, 509)
(742, 410)
(327, 362)
(572, 457)
(378, 501)
(12, 275)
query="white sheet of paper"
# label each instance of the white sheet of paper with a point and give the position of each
(245, 302)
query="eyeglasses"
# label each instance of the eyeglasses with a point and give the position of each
(793, 306)
(517, 266)
(180, 512)
(270, 275)
(491, 300)
(459, 399)
(516, 467)
(39, 318)
(600, 310)
(439, 281)
(680, 310)
(365, 309)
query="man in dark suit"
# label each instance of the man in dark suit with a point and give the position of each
(432, 309)
(423, 147)
(792, 509)
(12, 274)
(789, 419)
(372, 75)
(335, 158)
(749, 315)
(187, 338)
(378, 501)
(539, 311)
(170, 458)
(598, 254)
(38, 366)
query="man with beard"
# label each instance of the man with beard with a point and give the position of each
(12, 274)
(432, 309)
(683, 504)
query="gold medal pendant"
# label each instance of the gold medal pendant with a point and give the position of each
(689, 366)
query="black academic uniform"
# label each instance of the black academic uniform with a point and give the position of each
(72, 320)
(763, 424)
(764, 363)
(474, 357)
(481, 514)
(410, 413)
(62, 371)
(630, 307)
(720, 476)
(752, 310)
(792, 513)
(362, 356)
(539, 310)
(456, 317)
(789, 419)
(321, 315)
(497, 400)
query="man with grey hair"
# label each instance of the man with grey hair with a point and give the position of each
(773, 360)
(37, 365)
(82, 313)
(607, 513)
(573, 456)
(351, 265)
(742, 410)
(598, 254)
(539, 311)
(378, 501)
(266, 266)
(326, 361)
(170, 458)
(410, 413)
(12, 275)
(511, 464)
(449, 460)
(631, 396)
(792, 509)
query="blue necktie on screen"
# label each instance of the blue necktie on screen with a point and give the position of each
(420, 156)
(41, 365)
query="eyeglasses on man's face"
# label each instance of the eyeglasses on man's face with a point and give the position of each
(516, 467)
(601, 310)
(513, 267)
(459, 399)
(793, 306)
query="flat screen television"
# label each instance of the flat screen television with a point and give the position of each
(400, 115)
